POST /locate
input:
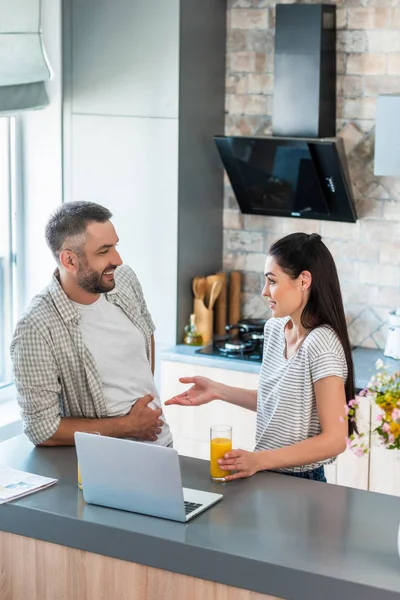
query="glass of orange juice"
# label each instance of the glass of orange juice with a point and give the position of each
(220, 444)
(79, 471)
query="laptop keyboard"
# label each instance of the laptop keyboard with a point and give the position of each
(191, 506)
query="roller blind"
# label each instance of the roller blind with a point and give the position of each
(24, 67)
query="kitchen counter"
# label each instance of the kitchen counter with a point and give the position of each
(272, 534)
(364, 362)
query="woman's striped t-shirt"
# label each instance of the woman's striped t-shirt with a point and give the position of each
(286, 403)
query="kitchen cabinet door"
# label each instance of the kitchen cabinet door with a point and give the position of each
(384, 474)
(352, 471)
(190, 426)
(331, 473)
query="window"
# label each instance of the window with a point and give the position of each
(7, 244)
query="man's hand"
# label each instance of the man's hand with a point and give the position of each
(143, 422)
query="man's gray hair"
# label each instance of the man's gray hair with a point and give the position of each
(71, 221)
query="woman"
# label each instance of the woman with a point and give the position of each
(306, 375)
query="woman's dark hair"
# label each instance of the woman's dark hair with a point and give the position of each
(303, 252)
(71, 220)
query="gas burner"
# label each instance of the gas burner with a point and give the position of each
(234, 347)
(243, 341)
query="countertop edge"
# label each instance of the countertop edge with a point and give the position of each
(237, 571)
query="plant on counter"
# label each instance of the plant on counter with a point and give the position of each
(384, 391)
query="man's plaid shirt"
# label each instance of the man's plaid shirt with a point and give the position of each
(55, 374)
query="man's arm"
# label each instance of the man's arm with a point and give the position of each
(153, 354)
(37, 380)
(141, 422)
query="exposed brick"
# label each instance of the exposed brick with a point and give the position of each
(248, 125)
(351, 136)
(366, 64)
(234, 261)
(369, 208)
(367, 18)
(379, 230)
(241, 104)
(381, 84)
(260, 40)
(244, 241)
(255, 262)
(260, 83)
(239, 4)
(236, 84)
(261, 223)
(345, 231)
(255, 306)
(233, 219)
(393, 64)
(394, 18)
(292, 225)
(349, 86)
(383, 41)
(358, 108)
(236, 40)
(389, 275)
(341, 59)
(369, 273)
(352, 41)
(388, 297)
(367, 253)
(341, 18)
(391, 212)
(389, 254)
(246, 62)
(253, 18)
(252, 282)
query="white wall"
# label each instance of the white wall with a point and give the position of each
(42, 163)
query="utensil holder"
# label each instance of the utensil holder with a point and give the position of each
(204, 320)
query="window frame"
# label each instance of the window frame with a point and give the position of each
(12, 271)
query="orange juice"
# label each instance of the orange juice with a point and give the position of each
(218, 447)
(79, 478)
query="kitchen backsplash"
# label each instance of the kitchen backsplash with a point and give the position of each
(367, 253)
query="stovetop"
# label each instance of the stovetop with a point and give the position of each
(243, 341)
(249, 356)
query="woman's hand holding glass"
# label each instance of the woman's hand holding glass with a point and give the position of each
(245, 464)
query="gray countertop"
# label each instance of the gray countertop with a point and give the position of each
(274, 534)
(364, 362)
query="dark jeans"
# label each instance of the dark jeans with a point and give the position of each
(317, 474)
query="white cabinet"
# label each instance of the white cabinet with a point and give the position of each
(384, 475)
(353, 471)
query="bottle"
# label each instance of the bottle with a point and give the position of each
(192, 337)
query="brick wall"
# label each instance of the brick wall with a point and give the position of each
(367, 253)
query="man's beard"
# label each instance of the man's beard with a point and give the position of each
(93, 282)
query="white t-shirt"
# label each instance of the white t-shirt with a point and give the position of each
(286, 403)
(118, 349)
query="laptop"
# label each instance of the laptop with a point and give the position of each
(138, 477)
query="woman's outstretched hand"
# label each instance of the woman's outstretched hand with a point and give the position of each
(202, 391)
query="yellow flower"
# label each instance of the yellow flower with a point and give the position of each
(395, 429)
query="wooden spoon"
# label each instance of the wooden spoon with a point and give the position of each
(201, 286)
(215, 292)
(194, 286)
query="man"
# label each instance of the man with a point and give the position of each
(83, 353)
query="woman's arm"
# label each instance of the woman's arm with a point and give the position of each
(331, 399)
(205, 390)
(238, 396)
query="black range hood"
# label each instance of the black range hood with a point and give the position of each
(300, 171)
